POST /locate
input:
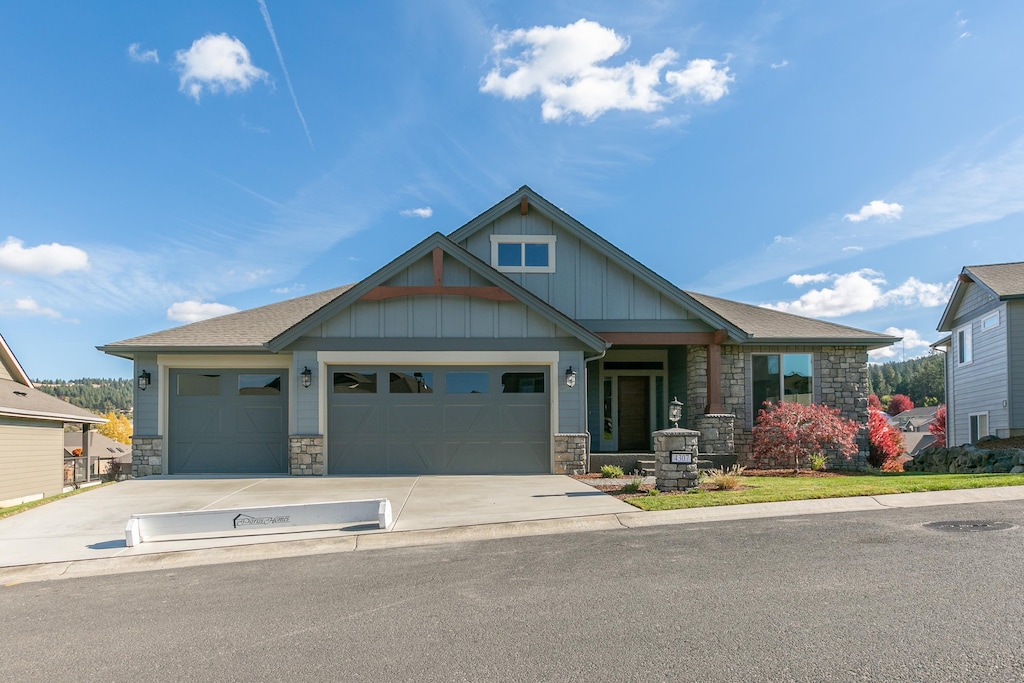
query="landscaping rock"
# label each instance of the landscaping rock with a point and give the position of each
(968, 459)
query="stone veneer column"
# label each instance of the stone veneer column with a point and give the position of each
(571, 452)
(717, 433)
(147, 455)
(696, 381)
(675, 477)
(306, 455)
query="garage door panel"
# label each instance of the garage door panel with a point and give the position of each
(439, 432)
(215, 426)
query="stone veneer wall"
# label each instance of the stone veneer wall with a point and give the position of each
(571, 453)
(841, 381)
(147, 455)
(717, 433)
(306, 455)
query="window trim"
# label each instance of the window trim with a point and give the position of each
(984, 322)
(964, 340)
(523, 240)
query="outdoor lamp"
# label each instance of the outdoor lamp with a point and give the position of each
(307, 377)
(144, 380)
(570, 377)
(675, 412)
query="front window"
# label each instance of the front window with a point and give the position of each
(782, 377)
(964, 346)
(523, 253)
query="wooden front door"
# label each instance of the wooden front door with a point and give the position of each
(634, 414)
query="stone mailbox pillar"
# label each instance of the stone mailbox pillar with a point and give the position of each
(675, 459)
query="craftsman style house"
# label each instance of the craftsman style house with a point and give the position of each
(519, 343)
(984, 353)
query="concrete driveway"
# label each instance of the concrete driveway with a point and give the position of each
(91, 524)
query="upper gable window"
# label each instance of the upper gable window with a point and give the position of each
(523, 253)
(964, 346)
(990, 322)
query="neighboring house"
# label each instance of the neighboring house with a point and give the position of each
(31, 435)
(984, 353)
(97, 445)
(915, 419)
(519, 343)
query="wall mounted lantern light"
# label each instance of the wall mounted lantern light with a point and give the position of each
(307, 377)
(144, 380)
(570, 377)
(675, 412)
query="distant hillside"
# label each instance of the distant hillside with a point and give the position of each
(96, 395)
(922, 379)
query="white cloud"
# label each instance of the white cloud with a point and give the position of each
(290, 289)
(782, 239)
(801, 280)
(781, 65)
(860, 291)
(216, 63)
(704, 79)
(853, 249)
(28, 306)
(876, 209)
(45, 259)
(194, 311)
(564, 65)
(912, 346)
(136, 54)
(423, 212)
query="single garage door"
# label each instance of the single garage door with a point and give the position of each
(438, 420)
(228, 422)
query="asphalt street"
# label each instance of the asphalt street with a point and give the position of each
(873, 596)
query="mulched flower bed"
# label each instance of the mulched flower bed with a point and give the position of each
(615, 489)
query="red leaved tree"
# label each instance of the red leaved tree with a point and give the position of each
(790, 432)
(885, 443)
(874, 403)
(938, 427)
(898, 403)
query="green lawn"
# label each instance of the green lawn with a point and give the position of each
(770, 489)
(15, 509)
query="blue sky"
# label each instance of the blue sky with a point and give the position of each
(162, 162)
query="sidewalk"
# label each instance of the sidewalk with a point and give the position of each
(292, 545)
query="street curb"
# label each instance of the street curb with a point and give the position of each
(268, 548)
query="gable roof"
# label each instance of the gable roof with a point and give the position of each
(765, 326)
(421, 250)
(1004, 281)
(20, 398)
(249, 330)
(745, 323)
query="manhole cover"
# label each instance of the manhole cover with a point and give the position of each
(969, 526)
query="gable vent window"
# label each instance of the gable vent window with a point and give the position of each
(523, 253)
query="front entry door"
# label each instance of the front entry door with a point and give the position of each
(634, 414)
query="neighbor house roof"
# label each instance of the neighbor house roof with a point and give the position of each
(765, 326)
(249, 330)
(20, 398)
(99, 445)
(1004, 280)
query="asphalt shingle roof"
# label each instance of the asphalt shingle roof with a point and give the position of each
(1005, 279)
(768, 325)
(248, 329)
(23, 401)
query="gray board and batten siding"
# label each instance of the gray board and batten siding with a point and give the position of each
(1015, 348)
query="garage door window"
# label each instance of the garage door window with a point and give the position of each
(465, 382)
(411, 383)
(198, 385)
(259, 385)
(355, 382)
(522, 383)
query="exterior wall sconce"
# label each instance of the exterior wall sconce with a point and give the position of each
(307, 377)
(675, 412)
(570, 377)
(144, 380)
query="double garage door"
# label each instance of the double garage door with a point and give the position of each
(228, 422)
(438, 420)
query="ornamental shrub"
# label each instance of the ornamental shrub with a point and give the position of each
(789, 433)
(898, 403)
(885, 443)
(612, 472)
(938, 427)
(874, 403)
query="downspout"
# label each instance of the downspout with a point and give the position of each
(586, 408)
